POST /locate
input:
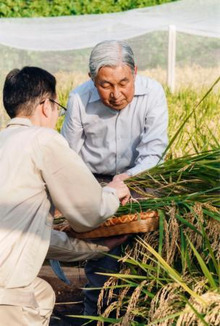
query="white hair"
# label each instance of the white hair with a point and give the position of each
(110, 54)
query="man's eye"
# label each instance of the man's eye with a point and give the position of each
(123, 83)
(105, 86)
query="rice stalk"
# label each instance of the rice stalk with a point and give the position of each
(190, 174)
(129, 315)
(176, 136)
(167, 301)
(210, 311)
(204, 268)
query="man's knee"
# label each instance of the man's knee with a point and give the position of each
(45, 296)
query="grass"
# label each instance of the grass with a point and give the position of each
(193, 131)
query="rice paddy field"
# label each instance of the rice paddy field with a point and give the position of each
(172, 276)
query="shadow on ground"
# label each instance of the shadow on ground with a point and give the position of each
(69, 298)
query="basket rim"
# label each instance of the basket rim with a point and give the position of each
(140, 226)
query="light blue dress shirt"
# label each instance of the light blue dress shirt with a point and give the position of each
(111, 142)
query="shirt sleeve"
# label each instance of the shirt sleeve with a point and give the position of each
(73, 188)
(72, 128)
(154, 138)
(68, 249)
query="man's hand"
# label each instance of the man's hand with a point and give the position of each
(122, 176)
(121, 189)
(113, 242)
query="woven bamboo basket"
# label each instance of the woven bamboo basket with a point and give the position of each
(125, 224)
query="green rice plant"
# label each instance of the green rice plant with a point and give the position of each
(198, 115)
(186, 192)
(164, 288)
(171, 299)
(204, 268)
(188, 176)
(173, 273)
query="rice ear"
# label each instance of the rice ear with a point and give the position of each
(210, 311)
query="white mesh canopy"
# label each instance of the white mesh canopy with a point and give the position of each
(63, 44)
(199, 17)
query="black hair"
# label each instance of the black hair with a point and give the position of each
(23, 88)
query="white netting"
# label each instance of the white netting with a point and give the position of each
(199, 17)
(64, 43)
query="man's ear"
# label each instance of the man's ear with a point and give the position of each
(46, 108)
(92, 79)
(135, 70)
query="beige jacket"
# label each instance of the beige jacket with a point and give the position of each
(37, 168)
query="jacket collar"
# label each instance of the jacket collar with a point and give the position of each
(20, 121)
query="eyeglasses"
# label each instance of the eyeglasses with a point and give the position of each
(63, 107)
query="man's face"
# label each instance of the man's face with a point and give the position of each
(115, 86)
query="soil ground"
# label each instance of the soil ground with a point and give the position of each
(69, 298)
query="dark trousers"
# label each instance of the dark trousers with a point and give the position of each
(103, 265)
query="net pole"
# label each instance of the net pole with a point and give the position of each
(171, 58)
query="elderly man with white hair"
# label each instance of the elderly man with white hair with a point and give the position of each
(117, 122)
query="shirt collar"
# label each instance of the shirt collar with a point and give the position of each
(20, 121)
(140, 89)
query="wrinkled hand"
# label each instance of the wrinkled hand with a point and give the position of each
(121, 189)
(122, 176)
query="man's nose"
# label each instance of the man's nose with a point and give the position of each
(115, 93)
